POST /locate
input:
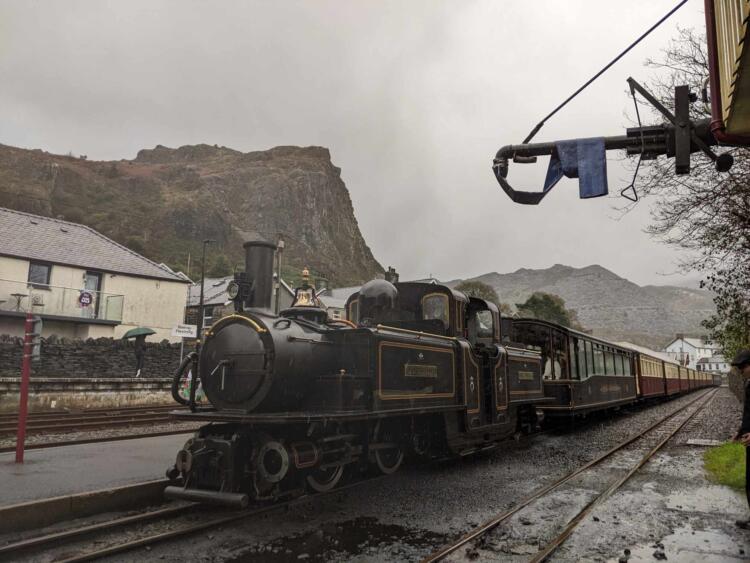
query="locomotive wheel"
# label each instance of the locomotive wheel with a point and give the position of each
(388, 459)
(324, 480)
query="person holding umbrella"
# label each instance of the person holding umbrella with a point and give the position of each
(139, 345)
(741, 363)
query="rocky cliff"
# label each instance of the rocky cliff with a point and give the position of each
(166, 201)
(611, 306)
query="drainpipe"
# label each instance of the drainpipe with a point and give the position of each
(717, 123)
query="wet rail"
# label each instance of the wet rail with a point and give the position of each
(655, 436)
(90, 534)
(53, 422)
(88, 420)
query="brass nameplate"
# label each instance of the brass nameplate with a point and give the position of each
(525, 376)
(420, 370)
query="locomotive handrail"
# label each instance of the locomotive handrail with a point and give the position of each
(417, 332)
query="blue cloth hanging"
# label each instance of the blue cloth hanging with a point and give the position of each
(584, 159)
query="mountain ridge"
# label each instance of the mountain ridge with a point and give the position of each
(609, 305)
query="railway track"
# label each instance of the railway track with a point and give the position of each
(46, 422)
(66, 421)
(108, 534)
(645, 445)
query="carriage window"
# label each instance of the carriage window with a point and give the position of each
(609, 363)
(537, 336)
(582, 359)
(573, 358)
(589, 359)
(435, 306)
(560, 354)
(598, 360)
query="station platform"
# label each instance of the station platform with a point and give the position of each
(67, 470)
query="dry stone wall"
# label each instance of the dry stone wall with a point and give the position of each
(92, 358)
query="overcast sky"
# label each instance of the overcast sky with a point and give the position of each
(413, 99)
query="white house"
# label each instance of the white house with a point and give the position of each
(687, 351)
(80, 282)
(715, 364)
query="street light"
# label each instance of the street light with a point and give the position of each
(199, 334)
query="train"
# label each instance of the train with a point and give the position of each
(415, 371)
(584, 374)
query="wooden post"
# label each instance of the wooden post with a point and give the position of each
(24, 398)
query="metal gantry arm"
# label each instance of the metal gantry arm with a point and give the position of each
(677, 138)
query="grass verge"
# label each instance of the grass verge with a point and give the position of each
(726, 464)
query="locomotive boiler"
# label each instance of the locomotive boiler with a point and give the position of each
(297, 399)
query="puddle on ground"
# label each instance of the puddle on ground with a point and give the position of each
(707, 499)
(339, 541)
(691, 546)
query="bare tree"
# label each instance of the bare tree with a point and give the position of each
(706, 212)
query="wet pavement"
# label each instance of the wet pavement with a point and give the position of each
(411, 514)
(69, 470)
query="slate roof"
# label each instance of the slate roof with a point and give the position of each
(215, 291)
(33, 237)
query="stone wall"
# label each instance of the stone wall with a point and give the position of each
(99, 358)
(81, 393)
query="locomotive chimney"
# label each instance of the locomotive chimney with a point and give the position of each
(259, 256)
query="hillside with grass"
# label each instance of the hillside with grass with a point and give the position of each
(165, 202)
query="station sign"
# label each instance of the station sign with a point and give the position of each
(185, 331)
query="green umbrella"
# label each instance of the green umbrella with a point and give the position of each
(141, 330)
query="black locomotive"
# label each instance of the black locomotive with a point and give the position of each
(297, 399)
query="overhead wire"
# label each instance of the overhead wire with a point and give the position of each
(664, 18)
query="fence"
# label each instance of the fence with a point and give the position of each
(61, 301)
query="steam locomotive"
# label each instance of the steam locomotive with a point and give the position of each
(417, 369)
(296, 399)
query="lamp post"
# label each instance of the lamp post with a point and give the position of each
(199, 334)
(279, 248)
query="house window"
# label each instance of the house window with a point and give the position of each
(39, 274)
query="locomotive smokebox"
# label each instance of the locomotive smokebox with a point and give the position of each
(259, 256)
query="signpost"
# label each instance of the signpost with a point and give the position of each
(32, 333)
(184, 331)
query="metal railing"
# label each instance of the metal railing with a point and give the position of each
(61, 301)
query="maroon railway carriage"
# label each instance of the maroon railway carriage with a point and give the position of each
(650, 371)
(580, 373)
(684, 385)
(672, 378)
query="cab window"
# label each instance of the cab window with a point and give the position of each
(483, 324)
(354, 311)
(435, 307)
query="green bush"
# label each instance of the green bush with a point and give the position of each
(726, 464)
